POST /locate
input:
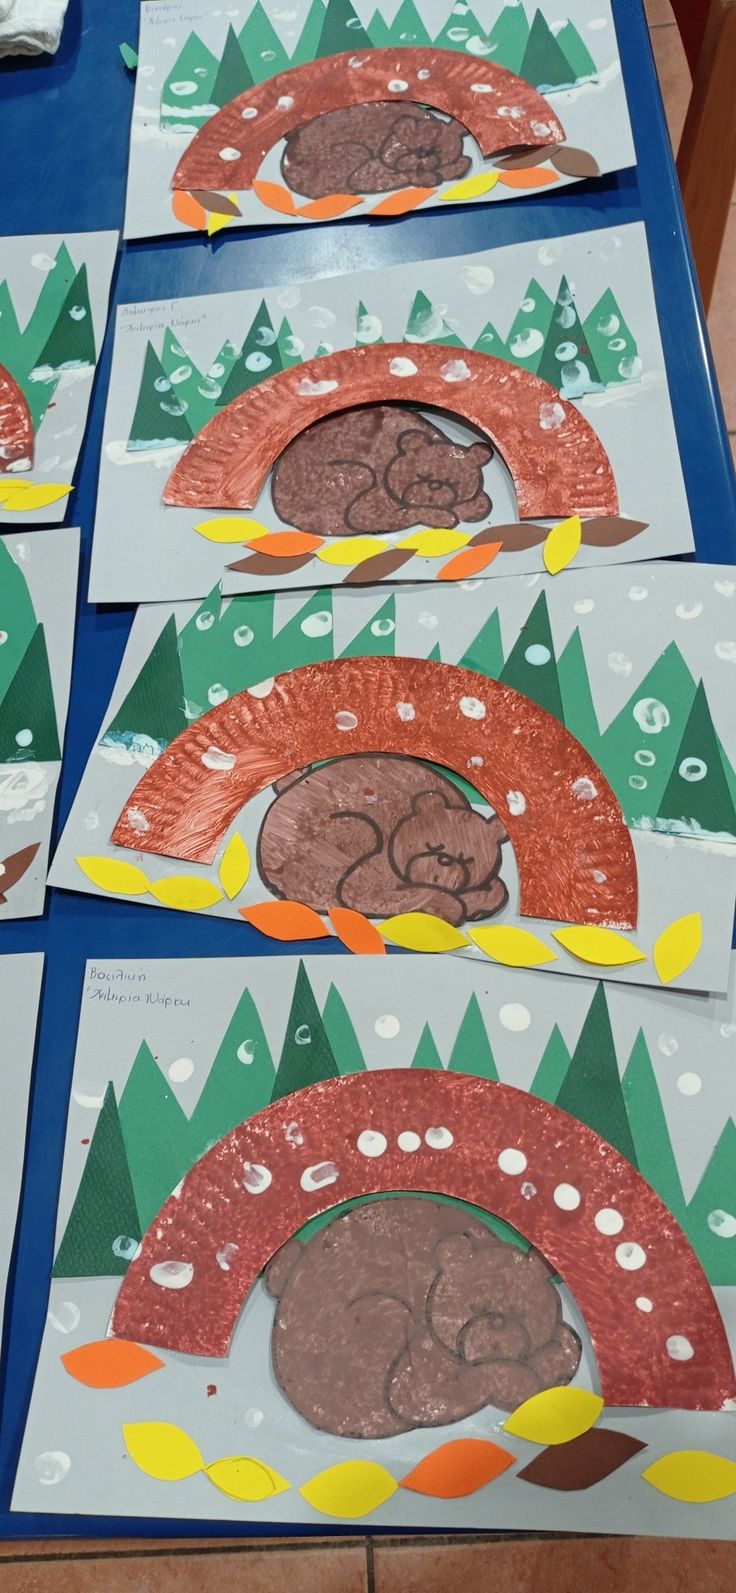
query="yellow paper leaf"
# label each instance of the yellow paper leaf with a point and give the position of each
(349, 1490)
(162, 1450)
(604, 947)
(216, 220)
(434, 544)
(555, 1416)
(28, 497)
(351, 550)
(517, 948)
(422, 932)
(241, 1477)
(186, 892)
(677, 947)
(471, 187)
(109, 874)
(231, 528)
(692, 1475)
(235, 867)
(562, 543)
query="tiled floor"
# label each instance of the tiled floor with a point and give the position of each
(423, 1565)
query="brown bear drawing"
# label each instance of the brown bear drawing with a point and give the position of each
(409, 1313)
(373, 149)
(382, 835)
(381, 467)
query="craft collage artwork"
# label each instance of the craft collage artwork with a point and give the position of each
(417, 1207)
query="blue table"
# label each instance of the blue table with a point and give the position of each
(64, 136)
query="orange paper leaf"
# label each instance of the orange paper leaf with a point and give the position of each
(331, 205)
(528, 177)
(110, 1363)
(276, 197)
(458, 1468)
(188, 210)
(357, 932)
(398, 204)
(469, 562)
(285, 544)
(285, 921)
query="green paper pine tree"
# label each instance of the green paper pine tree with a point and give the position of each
(576, 52)
(290, 347)
(530, 328)
(259, 357)
(460, 27)
(407, 28)
(215, 379)
(552, 1069)
(71, 343)
(710, 1221)
(638, 749)
(509, 36)
(426, 1054)
(545, 64)
(48, 306)
(306, 638)
(28, 730)
(226, 649)
(367, 327)
(377, 638)
(485, 652)
(343, 1040)
(426, 325)
(306, 47)
(434, 654)
(578, 708)
(380, 33)
(472, 1052)
(610, 341)
(489, 341)
(342, 30)
(11, 337)
(103, 1227)
(155, 1134)
(17, 618)
(159, 420)
(531, 667)
(186, 383)
(652, 1144)
(306, 1056)
(262, 46)
(591, 1089)
(233, 75)
(566, 361)
(186, 97)
(698, 796)
(240, 1081)
(154, 705)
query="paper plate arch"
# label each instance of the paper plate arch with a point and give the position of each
(16, 425)
(573, 849)
(591, 1214)
(556, 471)
(227, 152)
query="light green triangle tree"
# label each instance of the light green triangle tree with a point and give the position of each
(697, 794)
(341, 1035)
(240, 1081)
(490, 341)
(160, 420)
(407, 28)
(11, 338)
(472, 1051)
(48, 306)
(71, 342)
(611, 342)
(28, 730)
(591, 1089)
(341, 30)
(305, 48)
(226, 648)
(545, 64)
(377, 638)
(427, 325)
(215, 379)
(426, 1054)
(233, 74)
(576, 51)
(155, 1133)
(186, 383)
(531, 666)
(259, 357)
(460, 27)
(530, 328)
(186, 97)
(509, 36)
(103, 1227)
(578, 709)
(367, 327)
(289, 347)
(553, 1067)
(307, 1056)
(262, 46)
(654, 1154)
(17, 617)
(638, 749)
(154, 706)
(566, 361)
(710, 1222)
(379, 32)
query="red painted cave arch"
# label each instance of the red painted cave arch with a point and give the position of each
(16, 425)
(215, 1206)
(575, 856)
(559, 471)
(475, 92)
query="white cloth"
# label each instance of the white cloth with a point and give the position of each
(31, 27)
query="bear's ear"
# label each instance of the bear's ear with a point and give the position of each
(480, 452)
(411, 442)
(281, 1265)
(497, 829)
(428, 803)
(454, 1251)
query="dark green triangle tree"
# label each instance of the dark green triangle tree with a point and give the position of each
(485, 652)
(341, 1035)
(155, 1134)
(578, 708)
(71, 342)
(154, 705)
(697, 793)
(545, 64)
(17, 618)
(576, 51)
(11, 337)
(306, 1056)
(472, 1052)
(530, 328)
(711, 1216)
(426, 1054)
(377, 636)
(611, 343)
(240, 1081)
(638, 749)
(233, 74)
(28, 728)
(46, 311)
(427, 325)
(591, 1089)
(566, 361)
(654, 1154)
(262, 46)
(159, 420)
(186, 97)
(104, 1225)
(531, 666)
(259, 357)
(509, 36)
(552, 1069)
(342, 30)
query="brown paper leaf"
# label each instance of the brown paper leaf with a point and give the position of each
(379, 568)
(574, 162)
(14, 867)
(526, 157)
(263, 564)
(582, 1462)
(216, 204)
(610, 530)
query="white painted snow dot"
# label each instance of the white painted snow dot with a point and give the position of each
(262, 688)
(253, 1417)
(181, 1070)
(537, 654)
(668, 1045)
(722, 1223)
(584, 789)
(516, 803)
(608, 1220)
(472, 708)
(246, 1052)
(52, 1466)
(256, 1178)
(726, 651)
(398, 85)
(438, 1138)
(512, 1162)
(318, 1176)
(689, 1084)
(692, 769)
(402, 367)
(248, 113)
(64, 1315)
(23, 738)
(319, 624)
(567, 1197)
(679, 1348)
(172, 1274)
(407, 1141)
(515, 1017)
(345, 720)
(584, 605)
(642, 1303)
(371, 1144)
(406, 712)
(631, 1257)
(387, 1026)
(217, 694)
(217, 760)
(228, 153)
(455, 371)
